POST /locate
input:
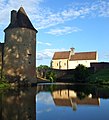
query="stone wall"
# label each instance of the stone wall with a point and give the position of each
(20, 54)
(1, 57)
(100, 65)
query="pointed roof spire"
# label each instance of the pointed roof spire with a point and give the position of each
(21, 9)
(22, 20)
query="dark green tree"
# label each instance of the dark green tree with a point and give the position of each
(41, 70)
(81, 73)
(51, 76)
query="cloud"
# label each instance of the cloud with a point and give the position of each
(47, 53)
(41, 98)
(43, 17)
(31, 7)
(99, 8)
(104, 9)
(63, 31)
(42, 43)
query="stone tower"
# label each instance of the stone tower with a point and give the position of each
(19, 61)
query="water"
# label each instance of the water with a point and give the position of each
(67, 102)
(18, 104)
(55, 102)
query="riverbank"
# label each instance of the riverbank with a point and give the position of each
(42, 80)
(100, 77)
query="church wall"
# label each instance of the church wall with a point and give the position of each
(60, 64)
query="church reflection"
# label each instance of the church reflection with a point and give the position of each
(67, 102)
(70, 98)
(21, 104)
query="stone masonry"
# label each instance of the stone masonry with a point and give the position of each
(19, 50)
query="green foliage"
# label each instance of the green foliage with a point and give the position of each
(46, 72)
(100, 77)
(41, 70)
(4, 85)
(81, 95)
(51, 76)
(81, 73)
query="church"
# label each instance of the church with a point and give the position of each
(18, 52)
(70, 59)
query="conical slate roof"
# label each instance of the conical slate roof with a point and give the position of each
(20, 19)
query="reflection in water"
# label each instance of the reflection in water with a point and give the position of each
(55, 102)
(70, 98)
(61, 102)
(18, 104)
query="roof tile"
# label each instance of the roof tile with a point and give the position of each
(84, 56)
(76, 56)
(61, 55)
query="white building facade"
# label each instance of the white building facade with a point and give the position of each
(70, 60)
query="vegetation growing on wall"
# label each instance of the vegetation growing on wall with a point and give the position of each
(4, 83)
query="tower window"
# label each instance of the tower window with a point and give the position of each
(29, 54)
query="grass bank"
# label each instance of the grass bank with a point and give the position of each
(100, 77)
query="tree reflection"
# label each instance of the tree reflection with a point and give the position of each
(18, 104)
(72, 95)
(81, 95)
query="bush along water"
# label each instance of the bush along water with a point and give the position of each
(81, 73)
(51, 76)
(46, 72)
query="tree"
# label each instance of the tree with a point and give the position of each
(51, 75)
(81, 73)
(44, 71)
(41, 70)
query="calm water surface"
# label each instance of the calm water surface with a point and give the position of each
(61, 102)
(55, 102)
(18, 104)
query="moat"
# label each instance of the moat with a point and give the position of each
(56, 102)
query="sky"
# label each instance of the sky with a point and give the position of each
(62, 24)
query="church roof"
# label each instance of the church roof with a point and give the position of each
(76, 56)
(61, 55)
(85, 101)
(20, 19)
(84, 56)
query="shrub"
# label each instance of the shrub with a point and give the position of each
(81, 73)
(51, 76)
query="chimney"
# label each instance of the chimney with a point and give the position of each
(72, 51)
(13, 16)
